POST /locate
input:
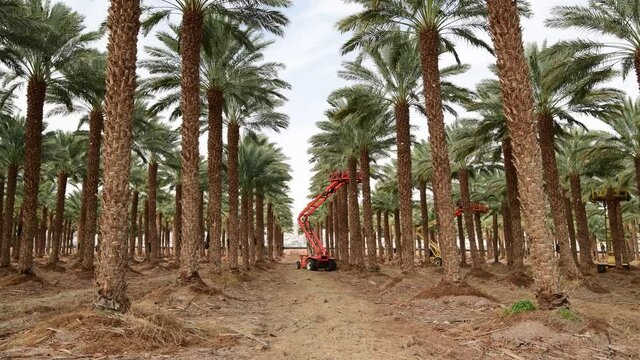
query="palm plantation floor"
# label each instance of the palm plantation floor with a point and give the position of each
(279, 312)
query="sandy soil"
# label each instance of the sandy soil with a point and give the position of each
(277, 312)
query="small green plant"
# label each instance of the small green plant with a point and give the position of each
(567, 314)
(520, 306)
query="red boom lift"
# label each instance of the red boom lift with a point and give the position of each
(319, 257)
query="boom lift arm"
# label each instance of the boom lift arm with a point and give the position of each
(320, 257)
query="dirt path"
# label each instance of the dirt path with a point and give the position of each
(277, 312)
(319, 315)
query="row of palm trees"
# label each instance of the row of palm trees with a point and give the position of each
(519, 119)
(208, 71)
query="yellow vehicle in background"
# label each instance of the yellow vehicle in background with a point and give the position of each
(434, 250)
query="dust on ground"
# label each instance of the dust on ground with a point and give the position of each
(276, 311)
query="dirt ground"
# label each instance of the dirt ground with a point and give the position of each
(277, 312)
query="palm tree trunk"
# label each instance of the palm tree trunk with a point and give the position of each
(159, 234)
(36, 91)
(82, 219)
(336, 226)
(380, 252)
(514, 240)
(330, 228)
(369, 235)
(259, 233)
(123, 24)
(496, 252)
(140, 232)
(355, 235)
(613, 226)
(403, 140)
(429, 50)
(634, 239)
(270, 231)
(96, 123)
(57, 239)
(424, 216)
(465, 198)
(463, 243)
(2, 183)
(251, 230)
(42, 233)
(50, 233)
(387, 237)
(152, 184)
(147, 224)
(244, 232)
(508, 236)
(397, 218)
(133, 229)
(201, 234)
(177, 244)
(215, 100)
(233, 136)
(572, 230)
(504, 23)
(190, 43)
(7, 235)
(344, 225)
(17, 236)
(554, 193)
(481, 247)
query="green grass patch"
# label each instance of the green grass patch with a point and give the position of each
(520, 306)
(567, 314)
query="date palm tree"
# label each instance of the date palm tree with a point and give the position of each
(435, 25)
(83, 91)
(66, 162)
(123, 24)
(259, 14)
(626, 129)
(395, 80)
(517, 94)
(372, 132)
(564, 87)
(233, 71)
(618, 19)
(40, 67)
(155, 143)
(11, 158)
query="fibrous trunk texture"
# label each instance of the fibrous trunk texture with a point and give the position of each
(429, 50)
(190, 43)
(403, 141)
(553, 190)
(177, 244)
(495, 238)
(355, 235)
(481, 247)
(57, 228)
(369, 235)
(133, 230)
(215, 99)
(514, 240)
(7, 231)
(270, 230)
(36, 91)
(96, 123)
(233, 136)
(152, 183)
(388, 242)
(343, 216)
(123, 24)
(396, 233)
(424, 216)
(465, 198)
(504, 23)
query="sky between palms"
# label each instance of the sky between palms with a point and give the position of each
(310, 49)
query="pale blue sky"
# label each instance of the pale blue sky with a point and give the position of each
(310, 49)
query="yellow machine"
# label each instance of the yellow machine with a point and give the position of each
(600, 195)
(434, 255)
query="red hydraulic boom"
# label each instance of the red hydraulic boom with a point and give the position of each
(319, 257)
